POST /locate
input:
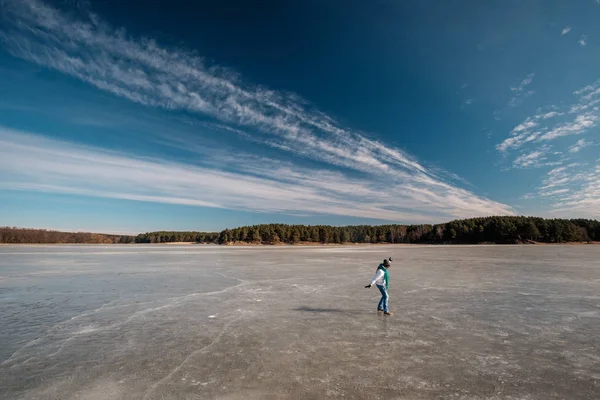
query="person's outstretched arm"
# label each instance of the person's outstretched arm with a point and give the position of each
(378, 275)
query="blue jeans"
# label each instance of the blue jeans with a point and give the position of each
(383, 303)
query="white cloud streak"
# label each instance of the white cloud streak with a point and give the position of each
(520, 91)
(581, 144)
(551, 114)
(578, 125)
(570, 189)
(522, 133)
(565, 30)
(574, 191)
(34, 163)
(524, 126)
(146, 73)
(537, 128)
(583, 40)
(535, 158)
(528, 159)
(524, 83)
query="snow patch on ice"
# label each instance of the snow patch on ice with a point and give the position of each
(85, 330)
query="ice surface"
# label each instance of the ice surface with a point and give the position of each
(204, 322)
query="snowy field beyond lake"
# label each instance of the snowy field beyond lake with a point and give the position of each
(207, 322)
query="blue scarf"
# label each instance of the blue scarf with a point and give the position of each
(386, 276)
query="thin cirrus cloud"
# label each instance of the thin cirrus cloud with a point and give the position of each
(551, 114)
(581, 144)
(520, 92)
(146, 73)
(571, 188)
(535, 158)
(529, 159)
(35, 163)
(524, 83)
(565, 30)
(577, 118)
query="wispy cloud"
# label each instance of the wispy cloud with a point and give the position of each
(574, 190)
(551, 114)
(547, 126)
(527, 160)
(146, 73)
(522, 133)
(578, 125)
(570, 188)
(467, 103)
(565, 30)
(524, 83)
(535, 158)
(581, 144)
(31, 162)
(583, 40)
(520, 91)
(557, 178)
(527, 124)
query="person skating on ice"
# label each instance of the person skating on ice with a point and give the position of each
(382, 280)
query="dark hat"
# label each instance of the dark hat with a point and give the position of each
(386, 263)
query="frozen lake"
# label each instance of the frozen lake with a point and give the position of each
(204, 322)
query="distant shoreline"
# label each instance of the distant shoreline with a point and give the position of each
(400, 244)
(302, 244)
(483, 230)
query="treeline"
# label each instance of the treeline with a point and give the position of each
(170, 237)
(467, 231)
(475, 230)
(42, 236)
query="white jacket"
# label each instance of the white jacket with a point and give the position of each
(379, 278)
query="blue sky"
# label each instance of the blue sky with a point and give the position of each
(204, 115)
